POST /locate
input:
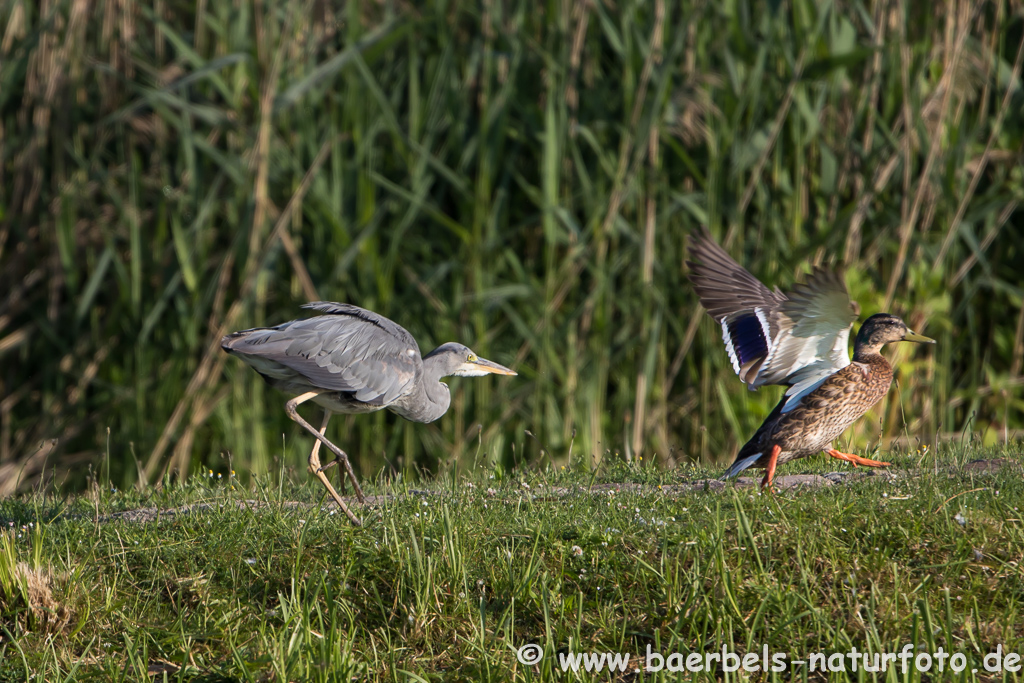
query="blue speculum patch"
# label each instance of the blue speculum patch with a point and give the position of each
(748, 338)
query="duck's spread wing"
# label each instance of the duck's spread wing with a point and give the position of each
(794, 339)
(740, 303)
(814, 337)
(348, 349)
(725, 287)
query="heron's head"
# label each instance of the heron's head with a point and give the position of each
(460, 361)
(883, 328)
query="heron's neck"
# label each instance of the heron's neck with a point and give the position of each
(435, 391)
(430, 399)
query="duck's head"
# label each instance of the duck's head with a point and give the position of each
(884, 328)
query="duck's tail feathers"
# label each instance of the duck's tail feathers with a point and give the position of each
(741, 465)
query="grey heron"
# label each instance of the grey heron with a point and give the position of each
(351, 360)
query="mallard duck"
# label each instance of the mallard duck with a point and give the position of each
(799, 340)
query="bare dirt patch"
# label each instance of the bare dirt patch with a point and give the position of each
(782, 483)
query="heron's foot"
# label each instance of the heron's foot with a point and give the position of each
(856, 459)
(338, 499)
(318, 472)
(339, 458)
(341, 477)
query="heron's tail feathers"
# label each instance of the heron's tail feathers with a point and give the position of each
(227, 342)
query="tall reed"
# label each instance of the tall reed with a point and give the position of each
(517, 177)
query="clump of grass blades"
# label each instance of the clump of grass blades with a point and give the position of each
(28, 602)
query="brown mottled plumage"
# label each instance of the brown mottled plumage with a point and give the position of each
(808, 330)
(825, 413)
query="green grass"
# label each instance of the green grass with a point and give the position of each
(448, 579)
(517, 176)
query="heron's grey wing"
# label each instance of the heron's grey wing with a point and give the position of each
(385, 324)
(349, 349)
(742, 305)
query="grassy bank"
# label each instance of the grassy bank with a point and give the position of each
(448, 581)
(515, 177)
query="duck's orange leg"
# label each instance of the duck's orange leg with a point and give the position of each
(773, 460)
(856, 459)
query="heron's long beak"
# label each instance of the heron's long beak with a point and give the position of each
(487, 366)
(915, 337)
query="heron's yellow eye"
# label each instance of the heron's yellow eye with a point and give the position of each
(472, 358)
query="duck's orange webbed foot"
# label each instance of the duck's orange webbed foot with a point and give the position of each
(856, 459)
(773, 460)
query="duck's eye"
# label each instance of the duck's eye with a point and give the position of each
(472, 358)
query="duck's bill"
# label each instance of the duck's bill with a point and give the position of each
(915, 337)
(490, 367)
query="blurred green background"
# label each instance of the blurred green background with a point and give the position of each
(517, 176)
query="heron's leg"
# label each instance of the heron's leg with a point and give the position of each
(291, 408)
(773, 460)
(339, 454)
(316, 449)
(326, 466)
(856, 459)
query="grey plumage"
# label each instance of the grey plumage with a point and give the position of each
(351, 360)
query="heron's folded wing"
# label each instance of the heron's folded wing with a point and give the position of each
(348, 349)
